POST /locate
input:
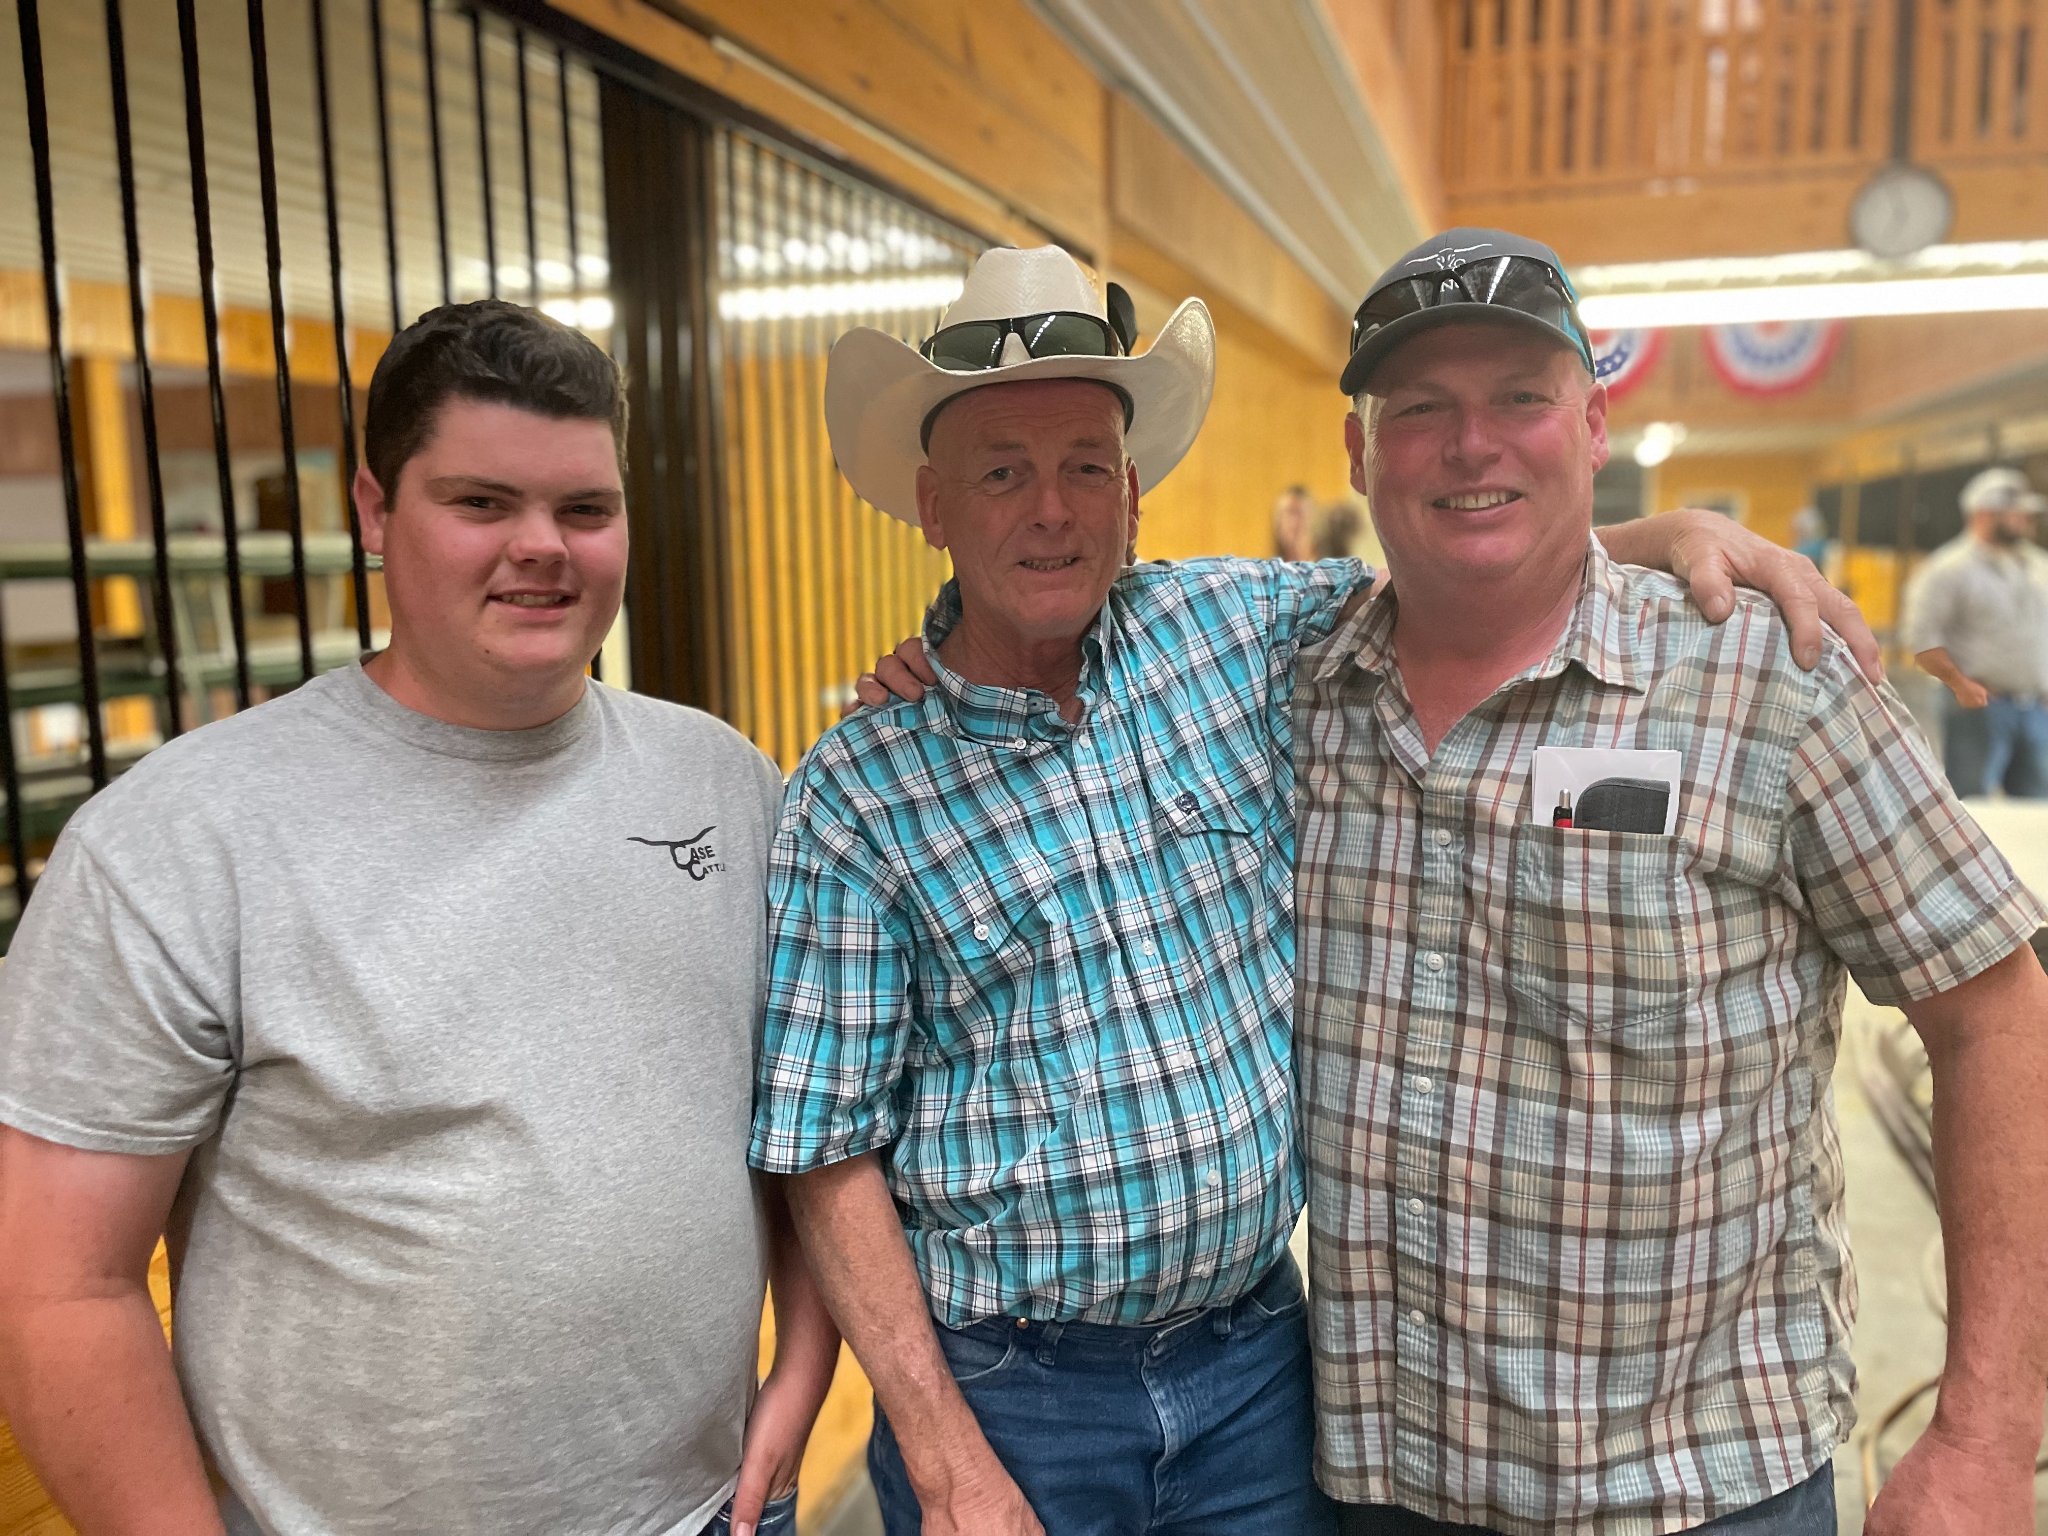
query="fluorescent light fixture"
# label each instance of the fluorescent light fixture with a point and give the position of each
(793, 301)
(1816, 301)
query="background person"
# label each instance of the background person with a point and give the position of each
(1977, 621)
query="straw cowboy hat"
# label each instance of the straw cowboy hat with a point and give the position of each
(881, 394)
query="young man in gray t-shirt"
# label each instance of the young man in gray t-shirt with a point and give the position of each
(418, 1007)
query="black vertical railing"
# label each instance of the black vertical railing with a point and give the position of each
(381, 86)
(431, 65)
(145, 382)
(209, 309)
(359, 576)
(60, 383)
(483, 151)
(526, 168)
(280, 335)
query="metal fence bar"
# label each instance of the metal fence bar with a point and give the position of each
(344, 383)
(10, 782)
(569, 213)
(60, 384)
(124, 155)
(202, 226)
(398, 316)
(273, 258)
(526, 168)
(483, 151)
(434, 143)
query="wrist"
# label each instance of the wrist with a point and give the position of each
(2004, 1425)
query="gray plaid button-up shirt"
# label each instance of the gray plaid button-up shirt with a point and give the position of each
(1577, 1242)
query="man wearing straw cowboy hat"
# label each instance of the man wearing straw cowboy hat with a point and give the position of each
(1027, 1040)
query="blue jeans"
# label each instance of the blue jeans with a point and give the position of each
(1804, 1509)
(2004, 746)
(778, 1518)
(1202, 1425)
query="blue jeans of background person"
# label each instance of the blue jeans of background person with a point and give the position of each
(778, 1518)
(1201, 1425)
(2004, 746)
(1805, 1509)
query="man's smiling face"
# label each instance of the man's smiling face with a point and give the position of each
(1030, 492)
(1479, 452)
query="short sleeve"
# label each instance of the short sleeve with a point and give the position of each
(1928, 621)
(837, 1023)
(1308, 599)
(112, 1037)
(1904, 886)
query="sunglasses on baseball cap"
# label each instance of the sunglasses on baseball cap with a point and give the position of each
(1465, 274)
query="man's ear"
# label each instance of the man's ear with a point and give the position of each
(1137, 510)
(1596, 425)
(928, 506)
(371, 509)
(1354, 445)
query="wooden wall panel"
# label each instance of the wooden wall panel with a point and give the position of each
(984, 89)
(1274, 421)
(1178, 232)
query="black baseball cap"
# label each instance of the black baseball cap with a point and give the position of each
(1460, 275)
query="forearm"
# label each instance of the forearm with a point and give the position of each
(1641, 541)
(1991, 1163)
(855, 1242)
(806, 1339)
(95, 1405)
(1939, 665)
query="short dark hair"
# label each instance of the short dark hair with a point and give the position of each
(489, 351)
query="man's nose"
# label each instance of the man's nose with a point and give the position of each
(535, 536)
(1049, 507)
(1473, 439)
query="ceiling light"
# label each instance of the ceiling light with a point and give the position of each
(791, 301)
(1816, 301)
(1658, 441)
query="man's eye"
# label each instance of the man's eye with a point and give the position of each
(1001, 474)
(480, 503)
(586, 509)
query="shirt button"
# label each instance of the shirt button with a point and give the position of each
(1443, 837)
(1417, 1318)
(1181, 1061)
(1212, 1178)
(1150, 948)
(1434, 961)
(1423, 1085)
(1204, 1271)
(1414, 1206)
(981, 930)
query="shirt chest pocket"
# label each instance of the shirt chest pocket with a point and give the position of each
(1596, 936)
(997, 937)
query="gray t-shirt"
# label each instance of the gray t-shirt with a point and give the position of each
(460, 1025)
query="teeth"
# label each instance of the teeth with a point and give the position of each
(1477, 503)
(533, 599)
(1047, 565)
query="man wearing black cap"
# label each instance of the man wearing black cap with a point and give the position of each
(1578, 887)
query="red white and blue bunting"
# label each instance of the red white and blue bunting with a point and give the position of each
(1774, 358)
(1623, 359)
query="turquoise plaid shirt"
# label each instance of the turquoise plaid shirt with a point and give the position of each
(1048, 968)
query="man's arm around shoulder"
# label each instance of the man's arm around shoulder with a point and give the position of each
(85, 1374)
(1972, 1472)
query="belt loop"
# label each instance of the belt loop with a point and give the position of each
(1049, 1342)
(1223, 1320)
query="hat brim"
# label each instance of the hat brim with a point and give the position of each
(879, 392)
(1374, 349)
